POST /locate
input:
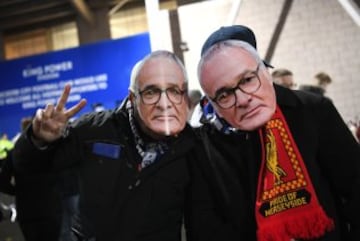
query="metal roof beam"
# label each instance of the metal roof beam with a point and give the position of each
(83, 9)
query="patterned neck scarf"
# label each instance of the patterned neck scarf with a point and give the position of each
(149, 152)
(287, 207)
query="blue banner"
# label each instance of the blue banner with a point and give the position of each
(97, 72)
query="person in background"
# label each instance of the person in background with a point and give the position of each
(132, 161)
(194, 99)
(67, 186)
(6, 185)
(194, 108)
(278, 164)
(323, 80)
(7, 207)
(6, 176)
(283, 77)
(37, 201)
(6, 169)
(5, 146)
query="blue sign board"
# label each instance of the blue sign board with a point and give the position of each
(97, 72)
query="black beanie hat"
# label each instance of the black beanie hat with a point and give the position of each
(235, 32)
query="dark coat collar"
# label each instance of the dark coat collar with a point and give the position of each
(285, 96)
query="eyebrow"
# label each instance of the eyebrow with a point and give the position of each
(222, 89)
(149, 87)
(170, 85)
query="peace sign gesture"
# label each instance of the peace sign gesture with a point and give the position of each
(49, 123)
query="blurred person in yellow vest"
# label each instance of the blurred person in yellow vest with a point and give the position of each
(5, 146)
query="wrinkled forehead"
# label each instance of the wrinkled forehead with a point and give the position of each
(224, 67)
(225, 56)
(162, 72)
(230, 54)
(228, 50)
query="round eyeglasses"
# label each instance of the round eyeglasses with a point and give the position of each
(225, 97)
(152, 95)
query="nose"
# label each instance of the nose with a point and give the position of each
(242, 98)
(164, 102)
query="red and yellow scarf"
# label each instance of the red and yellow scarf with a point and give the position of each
(286, 207)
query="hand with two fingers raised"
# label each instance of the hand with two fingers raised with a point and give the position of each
(49, 123)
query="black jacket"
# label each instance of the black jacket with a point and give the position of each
(37, 201)
(6, 174)
(224, 184)
(117, 202)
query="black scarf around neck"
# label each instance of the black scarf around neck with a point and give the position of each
(150, 151)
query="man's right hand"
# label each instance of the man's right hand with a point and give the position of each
(49, 124)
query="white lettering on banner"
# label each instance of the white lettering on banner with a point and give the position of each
(36, 96)
(102, 86)
(63, 66)
(8, 93)
(84, 88)
(29, 72)
(74, 98)
(48, 76)
(25, 90)
(101, 77)
(17, 99)
(47, 72)
(64, 82)
(53, 93)
(42, 94)
(43, 102)
(85, 80)
(28, 105)
(44, 87)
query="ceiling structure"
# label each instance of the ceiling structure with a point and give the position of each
(23, 15)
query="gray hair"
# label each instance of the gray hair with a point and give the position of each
(225, 44)
(156, 54)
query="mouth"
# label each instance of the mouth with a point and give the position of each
(164, 117)
(251, 113)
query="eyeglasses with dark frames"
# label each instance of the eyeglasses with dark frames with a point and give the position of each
(225, 98)
(151, 96)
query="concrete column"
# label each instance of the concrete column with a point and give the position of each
(2, 47)
(176, 34)
(96, 30)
